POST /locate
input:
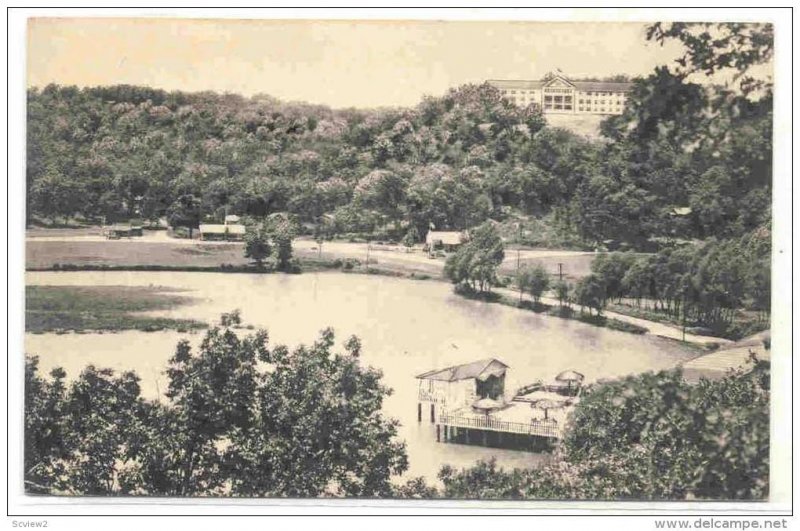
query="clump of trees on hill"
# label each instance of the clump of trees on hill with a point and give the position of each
(454, 161)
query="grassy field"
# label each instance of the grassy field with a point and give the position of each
(44, 254)
(101, 308)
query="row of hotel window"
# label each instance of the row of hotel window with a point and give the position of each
(568, 99)
(565, 103)
(523, 92)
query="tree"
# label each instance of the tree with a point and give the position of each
(310, 425)
(185, 212)
(212, 393)
(282, 233)
(324, 230)
(56, 195)
(318, 427)
(101, 409)
(76, 436)
(562, 290)
(637, 282)
(44, 428)
(685, 441)
(475, 263)
(713, 47)
(257, 243)
(589, 291)
(534, 280)
(610, 270)
(411, 237)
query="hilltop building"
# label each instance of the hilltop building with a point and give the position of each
(556, 94)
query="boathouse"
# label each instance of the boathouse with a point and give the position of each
(461, 385)
(468, 405)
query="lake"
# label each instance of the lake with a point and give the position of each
(407, 327)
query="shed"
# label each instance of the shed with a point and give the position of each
(221, 232)
(449, 240)
(115, 232)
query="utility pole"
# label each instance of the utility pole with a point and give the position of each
(366, 266)
(560, 272)
(519, 242)
(684, 318)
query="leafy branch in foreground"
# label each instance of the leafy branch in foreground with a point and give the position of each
(242, 419)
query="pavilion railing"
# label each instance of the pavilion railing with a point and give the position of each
(535, 427)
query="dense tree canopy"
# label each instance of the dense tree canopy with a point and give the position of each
(453, 161)
(242, 418)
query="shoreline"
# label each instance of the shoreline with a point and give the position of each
(609, 320)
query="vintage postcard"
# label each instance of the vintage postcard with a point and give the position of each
(465, 260)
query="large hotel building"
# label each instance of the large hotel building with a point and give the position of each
(559, 95)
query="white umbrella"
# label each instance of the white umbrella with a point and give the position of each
(546, 403)
(569, 377)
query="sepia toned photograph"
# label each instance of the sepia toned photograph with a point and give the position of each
(493, 260)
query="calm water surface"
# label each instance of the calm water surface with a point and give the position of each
(406, 327)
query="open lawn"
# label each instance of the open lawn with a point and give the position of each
(106, 308)
(45, 251)
(44, 254)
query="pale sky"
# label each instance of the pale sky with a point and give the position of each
(337, 63)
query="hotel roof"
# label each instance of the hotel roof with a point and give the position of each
(584, 86)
